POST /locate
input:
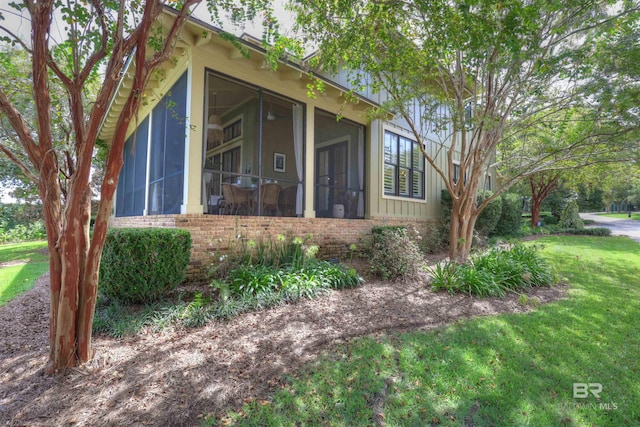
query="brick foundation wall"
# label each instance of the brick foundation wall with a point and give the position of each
(215, 233)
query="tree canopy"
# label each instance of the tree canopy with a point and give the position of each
(497, 68)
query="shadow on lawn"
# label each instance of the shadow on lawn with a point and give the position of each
(505, 370)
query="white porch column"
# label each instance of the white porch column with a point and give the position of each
(309, 170)
(192, 190)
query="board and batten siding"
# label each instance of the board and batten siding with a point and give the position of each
(382, 205)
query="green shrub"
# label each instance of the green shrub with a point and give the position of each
(393, 252)
(490, 215)
(510, 220)
(261, 279)
(145, 264)
(436, 239)
(595, 231)
(494, 273)
(253, 279)
(286, 267)
(488, 218)
(22, 232)
(571, 217)
(284, 251)
(549, 220)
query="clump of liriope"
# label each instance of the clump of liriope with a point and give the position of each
(278, 270)
(494, 273)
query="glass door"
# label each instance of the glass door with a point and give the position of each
(331, 179)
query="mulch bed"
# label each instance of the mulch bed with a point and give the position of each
(179, 376)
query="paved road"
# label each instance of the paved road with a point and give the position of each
(619, 227)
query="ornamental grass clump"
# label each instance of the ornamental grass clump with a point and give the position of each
(494, 273)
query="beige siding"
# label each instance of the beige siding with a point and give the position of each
(197, 54)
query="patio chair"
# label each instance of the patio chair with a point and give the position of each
(236, 198)
(269, 193)
(288, 200)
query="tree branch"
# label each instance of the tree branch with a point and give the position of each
(21, 129)
(16, 39)
(30, 175)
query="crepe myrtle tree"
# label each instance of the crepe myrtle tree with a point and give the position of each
(464, 76)
(589, 138)
(98, 38)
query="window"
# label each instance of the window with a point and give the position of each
(130, 196)
(233, 131)
(403, 167)
(468, 115)
(456, 173)
(487, 183)
(167, 151)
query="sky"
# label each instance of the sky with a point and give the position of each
(19, 23)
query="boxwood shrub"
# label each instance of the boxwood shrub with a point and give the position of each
(142, 265)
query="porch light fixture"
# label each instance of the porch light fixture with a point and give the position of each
(270, 116)
(215, 132)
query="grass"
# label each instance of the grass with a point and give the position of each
(506, 370)
(635, 215)
(16, 279)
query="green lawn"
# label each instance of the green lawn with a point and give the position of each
(507, 370)
(16, 279)
(635, 215)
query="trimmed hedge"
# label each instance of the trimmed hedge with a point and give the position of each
(142, 265)
(594, 231)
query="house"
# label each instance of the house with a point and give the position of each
(225, 146)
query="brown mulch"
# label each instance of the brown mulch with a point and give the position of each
(178, 377)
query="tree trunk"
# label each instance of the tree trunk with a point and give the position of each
(536, 204)
(541, 185)
(464, 214)
(70, 252)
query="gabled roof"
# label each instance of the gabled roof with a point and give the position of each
(197, 33)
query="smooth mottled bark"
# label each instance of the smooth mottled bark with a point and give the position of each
(541, 185)
(74, 254)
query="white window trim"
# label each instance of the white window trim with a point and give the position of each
(411, 136)
(454, 164)
(484, 186)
